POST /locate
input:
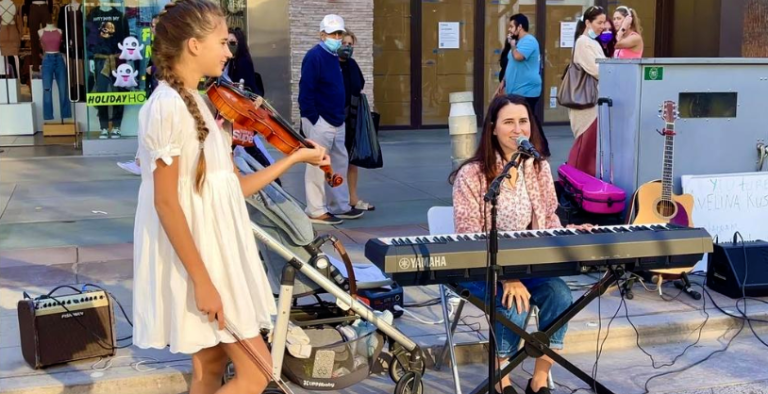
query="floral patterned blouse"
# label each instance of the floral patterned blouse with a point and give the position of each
(531, 201)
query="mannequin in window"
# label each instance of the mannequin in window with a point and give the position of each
(54, 67)
(105, 27)
(38, 15)
(11, 26)
(71, 24)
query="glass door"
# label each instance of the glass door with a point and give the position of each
(447, 55)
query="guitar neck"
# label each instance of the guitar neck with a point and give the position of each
(667, 167)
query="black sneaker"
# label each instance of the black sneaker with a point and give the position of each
(326, 218)
(353, 213)
(507, 390)
(543, 390)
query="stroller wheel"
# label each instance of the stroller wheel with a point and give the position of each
(407, 383)
(397, 371)
(401, 363)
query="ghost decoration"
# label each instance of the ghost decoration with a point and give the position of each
(125, 76)
(131, 49)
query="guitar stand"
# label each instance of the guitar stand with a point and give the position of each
(537, 343)
(684, 284)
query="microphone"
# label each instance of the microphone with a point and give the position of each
(525, 146)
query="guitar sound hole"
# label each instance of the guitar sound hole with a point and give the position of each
(666, 208)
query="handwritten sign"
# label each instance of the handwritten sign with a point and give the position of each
(726, 203)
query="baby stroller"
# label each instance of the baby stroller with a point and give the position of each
(331, 344)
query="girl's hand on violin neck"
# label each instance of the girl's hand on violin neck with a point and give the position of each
(314, 155)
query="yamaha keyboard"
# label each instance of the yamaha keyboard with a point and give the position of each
(443, 259)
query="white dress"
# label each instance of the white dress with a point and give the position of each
(164, 308)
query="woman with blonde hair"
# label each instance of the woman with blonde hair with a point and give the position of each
(629, 41)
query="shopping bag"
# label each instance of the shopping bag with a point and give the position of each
(365, 150)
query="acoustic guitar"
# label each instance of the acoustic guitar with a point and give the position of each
(656, 203)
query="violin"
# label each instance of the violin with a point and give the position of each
(236, 105)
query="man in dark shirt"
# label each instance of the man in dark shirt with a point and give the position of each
(321, 103)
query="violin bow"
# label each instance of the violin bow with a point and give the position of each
(255, 357)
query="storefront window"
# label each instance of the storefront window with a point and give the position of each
(392, 61)
(561, 17)
(118, 47)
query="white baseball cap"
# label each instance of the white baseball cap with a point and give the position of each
(332, 23)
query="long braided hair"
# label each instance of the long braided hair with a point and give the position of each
(178, 22)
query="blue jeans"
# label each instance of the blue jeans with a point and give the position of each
(551, 295)
(54, 66)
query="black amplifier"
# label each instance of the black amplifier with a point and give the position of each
(732, 263)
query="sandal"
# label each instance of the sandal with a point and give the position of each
(363, 206)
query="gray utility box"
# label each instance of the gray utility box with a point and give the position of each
(723, 106)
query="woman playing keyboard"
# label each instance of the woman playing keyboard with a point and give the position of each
(526, 201)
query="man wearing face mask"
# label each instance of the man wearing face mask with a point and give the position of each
(321, 104)
(522, 76)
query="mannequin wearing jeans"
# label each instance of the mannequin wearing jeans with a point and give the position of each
(53, 67)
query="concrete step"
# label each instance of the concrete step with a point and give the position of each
(660, 323)
(740, 369)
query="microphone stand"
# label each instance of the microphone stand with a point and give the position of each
(493, 251)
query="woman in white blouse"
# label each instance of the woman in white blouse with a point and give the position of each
(584, 121)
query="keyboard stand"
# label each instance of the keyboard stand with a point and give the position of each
(537, 343)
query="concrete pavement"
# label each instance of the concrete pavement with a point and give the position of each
(70, 220)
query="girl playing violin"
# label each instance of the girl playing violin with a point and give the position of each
(195, 260)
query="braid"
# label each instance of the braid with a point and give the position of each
(179, 21)
(194, 110)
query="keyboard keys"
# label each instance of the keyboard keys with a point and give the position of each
(511, 235)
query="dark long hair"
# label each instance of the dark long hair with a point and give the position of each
(489, 144)
(610, 48)
(589, 15)
(242, 54)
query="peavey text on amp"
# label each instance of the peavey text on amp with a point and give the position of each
(59, 329)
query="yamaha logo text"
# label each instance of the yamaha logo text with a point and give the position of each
(409, 263)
